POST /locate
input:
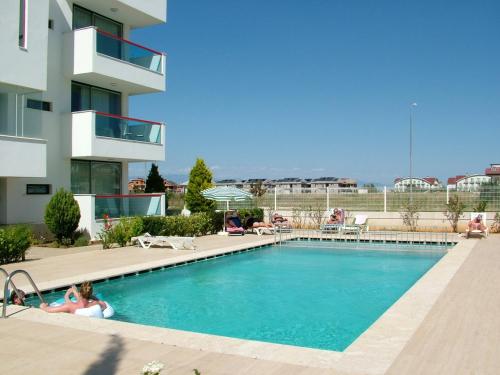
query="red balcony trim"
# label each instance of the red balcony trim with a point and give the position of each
(128, 41)
(127, 118)
(128, 195)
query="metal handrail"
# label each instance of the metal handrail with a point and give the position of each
(6, 288)
(2, 270)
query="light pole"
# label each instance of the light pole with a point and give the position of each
(412, 105)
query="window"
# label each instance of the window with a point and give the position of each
(37, 189)
(85, 97)
(38, 104)
(51, 24)
(84, 18)
(23, 12)
(95, 177)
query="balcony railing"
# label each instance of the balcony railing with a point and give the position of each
(116, 206)
(125, 50)
(128, 128)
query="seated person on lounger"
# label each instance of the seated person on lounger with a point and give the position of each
(278, 219)
(476, 224)
(233, 224)
(336, 218)
(84, 299)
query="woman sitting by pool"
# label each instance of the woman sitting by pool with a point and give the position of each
(84, 299)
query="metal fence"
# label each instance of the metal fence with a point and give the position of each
(384, 200)
(428, 241)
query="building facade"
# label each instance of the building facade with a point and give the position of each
(417, 183)
(67, 72)
(493, 172)
(468, 182)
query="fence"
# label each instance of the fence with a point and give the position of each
(425, 240)
(385, 200)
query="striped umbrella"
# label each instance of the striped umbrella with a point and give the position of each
(226, 194)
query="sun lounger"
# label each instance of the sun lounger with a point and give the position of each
(177, 243)
(237, 228)
(337, 227)
(359, 226)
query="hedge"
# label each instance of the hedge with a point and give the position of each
(14, 241)
(198, 224)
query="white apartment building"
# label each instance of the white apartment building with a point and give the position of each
(468, 183)
(417, 183)
(66, 73)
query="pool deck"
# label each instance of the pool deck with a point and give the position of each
(448, 323)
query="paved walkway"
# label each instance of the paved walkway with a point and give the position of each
(460, 334)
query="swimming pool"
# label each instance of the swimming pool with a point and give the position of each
(317, 297)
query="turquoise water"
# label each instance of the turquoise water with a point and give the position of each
(311, 297)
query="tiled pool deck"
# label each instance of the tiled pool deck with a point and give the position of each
(449, 322)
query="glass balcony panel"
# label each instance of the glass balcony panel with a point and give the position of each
(126, 128)
(122, 49)
(116, 206)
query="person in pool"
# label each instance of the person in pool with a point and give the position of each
(16, 299)
(84, 299)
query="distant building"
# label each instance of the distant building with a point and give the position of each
(333, 184)
(172, 187)
(494, 172)
(467, 182)
(230, 182)
(137, 185)
(426, 183)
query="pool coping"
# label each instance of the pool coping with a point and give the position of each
(371, 353)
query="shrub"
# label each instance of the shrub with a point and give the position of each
(62, 215)
(125, 229)
(480, 206)
(257, 213)
(198, 224)
(81, 240)
(14, 241)
(454, 209)
(410, 214)
(121, 232)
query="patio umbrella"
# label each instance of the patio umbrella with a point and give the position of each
(226, 194)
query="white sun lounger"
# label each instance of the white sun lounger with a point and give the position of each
(177, 243)
(263, 230)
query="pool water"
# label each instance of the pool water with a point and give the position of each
(312, 297)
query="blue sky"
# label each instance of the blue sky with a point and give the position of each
(273, 88)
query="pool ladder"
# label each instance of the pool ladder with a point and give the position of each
(8, 280)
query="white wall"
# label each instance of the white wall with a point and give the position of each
(15, 205)
(25, 68)
(22, 157)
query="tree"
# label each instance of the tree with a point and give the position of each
(62, 215)
(154, 182)
(200, 178)
(257, 189)
(454, 209)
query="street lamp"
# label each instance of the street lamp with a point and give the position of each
(412, 105)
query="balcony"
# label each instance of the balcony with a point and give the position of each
(98, 58)
(102, 135)
(22, 157)
(135, 13)
(93, 208)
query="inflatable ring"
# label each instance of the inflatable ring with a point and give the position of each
(108, 312)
